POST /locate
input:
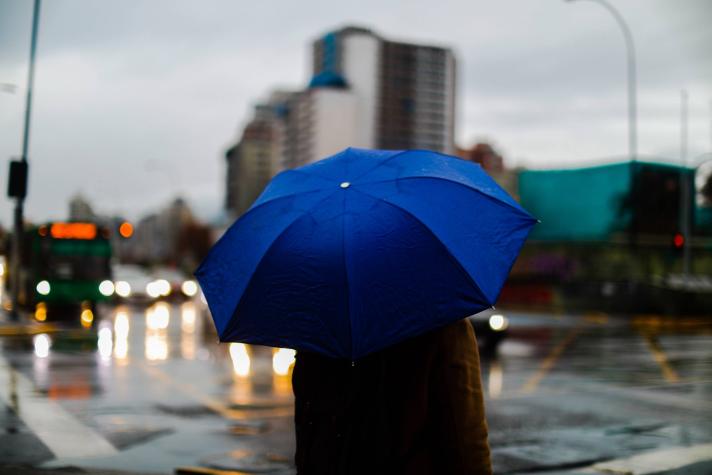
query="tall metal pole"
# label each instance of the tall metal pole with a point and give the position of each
(632, 114)
(632, 81)
(685, 203)
(19, 205)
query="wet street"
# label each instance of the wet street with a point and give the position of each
(149, 390)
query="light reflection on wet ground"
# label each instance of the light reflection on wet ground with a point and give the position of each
(154, 382)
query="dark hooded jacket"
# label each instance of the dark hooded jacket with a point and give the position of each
(414, 408)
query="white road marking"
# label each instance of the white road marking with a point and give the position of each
(60, 431)
(657, 461)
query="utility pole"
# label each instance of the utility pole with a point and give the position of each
(685, 204)
(19, 171)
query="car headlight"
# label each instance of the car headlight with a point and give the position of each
(189, 288)
(498, 322)
(163, 287)
(123, 288)
(153, 290)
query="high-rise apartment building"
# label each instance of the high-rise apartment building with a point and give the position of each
(405, 93)
(365, 91)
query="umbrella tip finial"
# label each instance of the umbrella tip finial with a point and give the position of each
(345, 184)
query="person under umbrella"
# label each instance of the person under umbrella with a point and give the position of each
(366, 263)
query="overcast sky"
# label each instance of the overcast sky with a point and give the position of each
(136, 101)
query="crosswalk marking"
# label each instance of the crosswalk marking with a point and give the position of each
(60, 431)
(657, 461)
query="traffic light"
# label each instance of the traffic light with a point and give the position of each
(678, 241)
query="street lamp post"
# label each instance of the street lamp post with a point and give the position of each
(632, 88)
(632, 114)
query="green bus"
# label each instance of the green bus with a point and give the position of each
(65, 270)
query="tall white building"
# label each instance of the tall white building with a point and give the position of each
(405, 93)
(365, 92)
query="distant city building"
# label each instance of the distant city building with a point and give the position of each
(80, 209)
(254, 159)
(156, 236)
(365, 91)
(485, 155)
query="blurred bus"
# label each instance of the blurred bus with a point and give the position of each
(65, 270)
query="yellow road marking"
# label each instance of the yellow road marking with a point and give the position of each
(31, 329)
(549, 362)
(205, 471)
(215, 404)
(600, 318)
(659, 355)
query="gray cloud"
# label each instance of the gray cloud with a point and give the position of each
(136, 101)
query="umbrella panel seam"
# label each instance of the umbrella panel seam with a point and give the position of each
(448, 253)
(397, 154)
(313, 175)
(346, 273)
(520, 212)
(233, 319)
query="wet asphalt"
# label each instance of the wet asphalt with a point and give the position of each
(149, 390)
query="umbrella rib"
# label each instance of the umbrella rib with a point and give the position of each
(255, 207)
(450, 180)
(313, 175)
(233, 321)
(397, 154)
(346, 272)
(435, 237)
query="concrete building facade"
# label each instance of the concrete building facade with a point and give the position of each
(365, 91)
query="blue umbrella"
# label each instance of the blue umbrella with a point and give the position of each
(361, 250)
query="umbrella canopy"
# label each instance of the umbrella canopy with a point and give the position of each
(362, 250)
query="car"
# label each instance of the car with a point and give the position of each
(131, 283)
(169, 282)
(491, 327)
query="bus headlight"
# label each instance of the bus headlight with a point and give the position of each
(122, 288)
(43, 287)
(106, 288)
(189, 288)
